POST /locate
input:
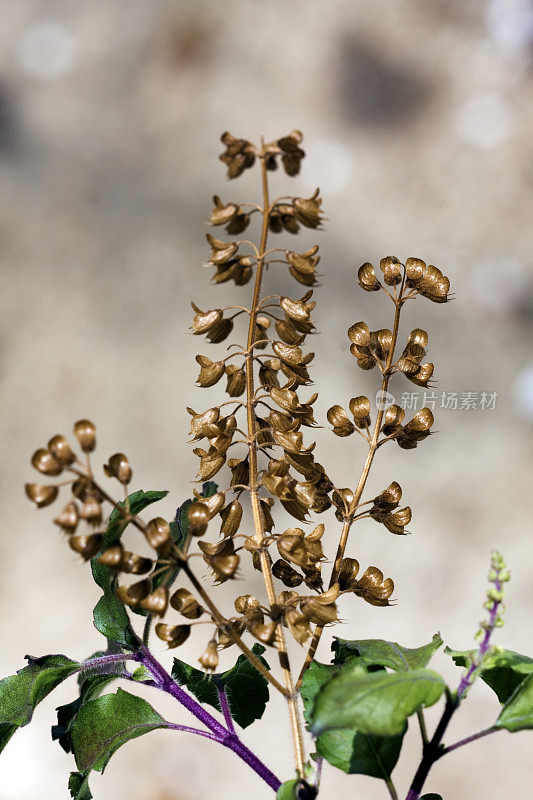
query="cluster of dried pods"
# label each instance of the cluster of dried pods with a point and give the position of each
(272, 463)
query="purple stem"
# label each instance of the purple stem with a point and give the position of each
(188, 729)
(226, 737)
(433, 750)
(469, 739)
(225, 708)
(103, 661)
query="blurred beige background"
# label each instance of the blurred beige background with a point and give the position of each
(418, 125)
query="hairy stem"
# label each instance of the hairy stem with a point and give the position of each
(372, 448)
(218, 732)
(468, 739)
(292, 698)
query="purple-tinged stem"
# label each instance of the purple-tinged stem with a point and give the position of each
(468, 739)
(223, 699)
(197, 731)
(434, 750)
(103, 661)
(226, 737)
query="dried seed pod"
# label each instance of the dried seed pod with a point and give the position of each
(156, 602)
(60, 448)
(308, 210)
(266, 504)
(348, 574)
(41, 495)
(236, 380)
(264, 632)
(157, 533)
(389, 498)
(298, 310)
(68, 518)
(381, 343)
(91, 511)
(85, 433)
(414, 270)
(302, 266)
(220, 330)
(204, 321)
(221, 252)
(395, 523)
(87, 545)
(134, 594)
(286, 574)
(134, 564)
(183, 601)
(366, 277)
(338, 417)
(342, 499)
(239, 154)
(45, 462)
(210, 371)
(204, 425)
(231, 518)
(198, 516)
(360, 409)
(118, 467)
(391, 269)
(422, 375)
(224, 567)
(422, 421)
(209, 658)
(373, 589)
(321, 609)
(223, 213)
(298, 625)
(173, 635)
(240, 471)
(112, 557)
(210, 462)
(250, 607)
(213, 504)
(225, 639)
(392, 420)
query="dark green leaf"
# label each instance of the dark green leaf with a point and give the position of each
(361, 753)
(105, 724)
(378, 652)
(21, 693)
(431, 796)
(109, 615)
(374, 702)
(78, 785)
(91, 687)
(517, 713)
(503, 672)
(349, 750)
(245, 688)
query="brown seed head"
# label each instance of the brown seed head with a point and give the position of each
(173, 635)
(45, 462)
(198, 516)
(156, 602)
(41, 495)
(209, 658)
(68, 518)
(85, 433)
(87, 545)
(118, 467)
(61, 449)
(157, 533)
(183, 601)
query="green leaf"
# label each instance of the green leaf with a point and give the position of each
(503, 672)
(287, 790)
(21, 693)
(517, 713)
(110, 616)
(105, 724)
(78, 785)
(378, 652)
(374, 702)
(361, 753)
(91, 687)
(246, 689)
(349, 750)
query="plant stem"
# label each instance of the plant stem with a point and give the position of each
(468, 739)
(226, 737)
(222, 697)
(372, 448)
(433, 751)
(292, 697)
(187, 729)
(103, 661)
